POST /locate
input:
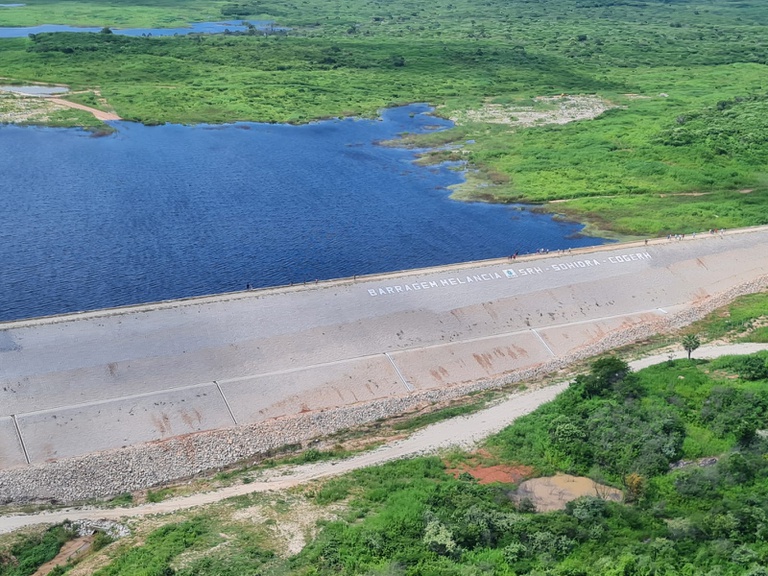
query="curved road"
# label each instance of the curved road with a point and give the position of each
(464, 432)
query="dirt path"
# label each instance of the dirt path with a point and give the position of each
(464, 432)
(69, 550)
(98, 114)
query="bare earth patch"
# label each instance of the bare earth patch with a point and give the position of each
(499, 473)
(545, 110)
(26, 109)
(554, 492)
(292, 524)
(98, 114)
(17, 109)
(479, 467)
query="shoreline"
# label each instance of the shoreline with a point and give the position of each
(172, 303)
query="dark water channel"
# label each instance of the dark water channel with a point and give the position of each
(153, 213)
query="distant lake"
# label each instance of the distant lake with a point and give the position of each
(196, 28)
(153, 213)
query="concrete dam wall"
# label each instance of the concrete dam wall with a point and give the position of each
(102, 402)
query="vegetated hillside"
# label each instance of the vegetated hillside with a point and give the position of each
(685, 80)
(618, 427)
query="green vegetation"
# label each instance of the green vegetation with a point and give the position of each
(690, 343)
(30, 552)
(683, 440)
(619, 427)
(154, 496)
(116, 13)
(743, 319)
(161, 546)
(704, 515)
(686, 81)
(461, 409)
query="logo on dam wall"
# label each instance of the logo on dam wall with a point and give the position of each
(508, 273)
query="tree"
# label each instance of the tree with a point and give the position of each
(690, 343)
(606, 374)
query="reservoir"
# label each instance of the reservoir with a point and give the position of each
(161, 212)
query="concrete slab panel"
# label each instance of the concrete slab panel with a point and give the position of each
(563, 340)
(449, 364)
(314, 388)
(11, 453)
(113, 424)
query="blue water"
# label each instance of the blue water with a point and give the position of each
(35, 90)
(161, 212)
(199, 27)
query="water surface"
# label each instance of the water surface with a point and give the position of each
(196, 28)
(35, 90)
(153, 213)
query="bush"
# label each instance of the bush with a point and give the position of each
(751, 368)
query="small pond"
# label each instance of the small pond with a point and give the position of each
(196, 28)
(35, 90)
(554, 492)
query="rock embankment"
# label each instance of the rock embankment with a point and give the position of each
(104, 474)
(112, 529)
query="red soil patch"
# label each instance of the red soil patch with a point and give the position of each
(487, 474)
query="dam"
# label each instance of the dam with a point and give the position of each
(77, 384)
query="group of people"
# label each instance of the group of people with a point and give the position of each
(712, 231)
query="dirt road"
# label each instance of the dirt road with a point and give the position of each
(98, 114)
(464, 432)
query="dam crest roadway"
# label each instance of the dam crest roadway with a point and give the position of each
(76, 384)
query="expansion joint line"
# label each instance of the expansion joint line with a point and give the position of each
(400, 374)
(21, 440)
(552, 353)
(226, 403)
